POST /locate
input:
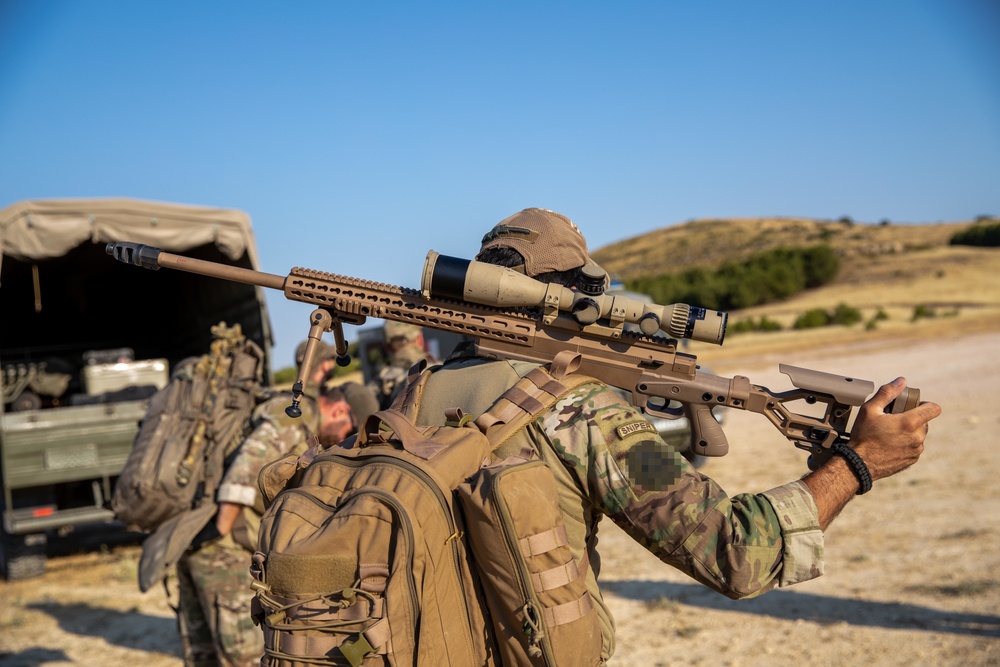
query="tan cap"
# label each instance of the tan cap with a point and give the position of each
(323, 352)
(547, 240)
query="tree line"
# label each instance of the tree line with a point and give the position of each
(765, 277)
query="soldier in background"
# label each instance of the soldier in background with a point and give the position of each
(405, 347)
(213, 579)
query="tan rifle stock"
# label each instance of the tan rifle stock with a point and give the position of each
(532, 321)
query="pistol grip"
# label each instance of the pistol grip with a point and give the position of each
(707, 436)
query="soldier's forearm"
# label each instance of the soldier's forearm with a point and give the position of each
(832, 486)
(226, 517)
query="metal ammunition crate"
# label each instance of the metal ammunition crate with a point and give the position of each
(102, 378)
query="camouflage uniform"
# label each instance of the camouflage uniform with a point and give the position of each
(214, 607)
(390, 379)
(609, 460)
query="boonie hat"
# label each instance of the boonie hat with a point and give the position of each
(547, 240)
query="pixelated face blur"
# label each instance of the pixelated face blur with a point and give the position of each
(337, 421)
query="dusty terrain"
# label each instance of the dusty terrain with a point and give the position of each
(912, 568)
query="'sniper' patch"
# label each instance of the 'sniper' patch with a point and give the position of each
(634, 427)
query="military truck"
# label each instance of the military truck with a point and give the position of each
(86, 340)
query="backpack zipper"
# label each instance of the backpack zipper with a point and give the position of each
(534, 620)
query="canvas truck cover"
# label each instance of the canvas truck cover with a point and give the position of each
(55, 277)
(32, 230)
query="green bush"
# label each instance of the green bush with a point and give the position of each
(763, 278)
(922, 312)
(879, 316)
(845, 315)
(980, 234)
(285, 375)
(743, 326)
(811, 319)
(767, 324)
(749, 324)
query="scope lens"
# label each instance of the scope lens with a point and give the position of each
(448, 279)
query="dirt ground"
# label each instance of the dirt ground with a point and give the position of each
(912, 568)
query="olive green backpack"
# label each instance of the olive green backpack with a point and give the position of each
(411, 545)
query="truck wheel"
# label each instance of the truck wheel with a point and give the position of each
(22, 556)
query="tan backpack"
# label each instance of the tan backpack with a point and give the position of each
(167, 486)
(410, 546)
(191, 425)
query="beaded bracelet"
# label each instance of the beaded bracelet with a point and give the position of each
(857, 466)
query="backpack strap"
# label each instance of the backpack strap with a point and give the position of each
(414, 439)
(408, 401)
(532, 395)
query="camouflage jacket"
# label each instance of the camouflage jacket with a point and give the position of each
(390, 378)
(609, 460)
(274, 435)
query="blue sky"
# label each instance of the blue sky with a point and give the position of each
(360, 135)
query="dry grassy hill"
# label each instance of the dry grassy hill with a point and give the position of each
(709, 243)
(892, 267)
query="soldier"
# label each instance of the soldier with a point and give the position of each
(213, 580)
(405, 347)
(609, 460)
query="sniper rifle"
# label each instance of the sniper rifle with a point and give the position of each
(618, 340)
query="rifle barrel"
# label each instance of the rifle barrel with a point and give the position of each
(149, 257)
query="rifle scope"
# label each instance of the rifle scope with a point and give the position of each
(498, 286)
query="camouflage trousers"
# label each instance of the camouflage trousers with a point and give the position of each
(214, 607)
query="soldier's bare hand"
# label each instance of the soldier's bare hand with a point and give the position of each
(889, 443)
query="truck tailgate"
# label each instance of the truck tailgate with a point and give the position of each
(68, 444)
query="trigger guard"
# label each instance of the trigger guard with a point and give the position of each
(666, 412)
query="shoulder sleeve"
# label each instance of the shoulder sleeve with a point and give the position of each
(273, 410)
(275, 434)
(624, 468)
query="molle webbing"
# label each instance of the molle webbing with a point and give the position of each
(556, 577)
(323, 610)
(532, 395)
(542, 543)
(567, 613)
(317, 648)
